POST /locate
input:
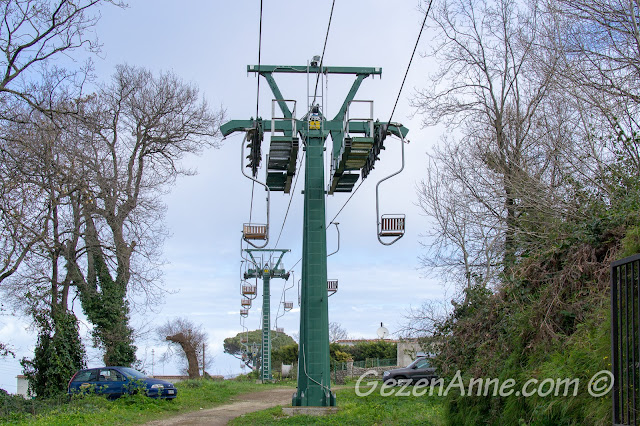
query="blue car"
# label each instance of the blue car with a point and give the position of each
(117, 381)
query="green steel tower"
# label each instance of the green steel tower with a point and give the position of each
(266, 270)
(357, 142)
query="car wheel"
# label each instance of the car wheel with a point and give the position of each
(402, 380)
(391, 381)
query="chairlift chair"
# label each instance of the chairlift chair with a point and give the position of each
(252, 231)
(244, 302)
(332, 287)
(244, 313)
(279, 330)
(338, 230)
(354, 150)
(359, 146)
(249, 290)
(287, 305)
(390, 225)
(283, 149)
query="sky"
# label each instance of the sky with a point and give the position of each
(209, 44)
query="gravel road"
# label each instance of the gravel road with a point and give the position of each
(239, 405)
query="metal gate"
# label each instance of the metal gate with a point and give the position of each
(625, 340)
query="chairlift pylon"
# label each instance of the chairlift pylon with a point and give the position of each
(390, 225)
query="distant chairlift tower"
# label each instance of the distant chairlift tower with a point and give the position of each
(356, 146)
(266, 271)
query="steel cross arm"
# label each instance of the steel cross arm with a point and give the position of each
(352, 93)
(303, 69)
(246, 125)
(396, 129)
(285, 125)
(282, 252)
(280, 273)
(278, 94)
(259, 273)
(253, 273)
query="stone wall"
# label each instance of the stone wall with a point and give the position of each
(339, 376)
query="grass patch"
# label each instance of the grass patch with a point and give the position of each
(97, 410)
(355, 410)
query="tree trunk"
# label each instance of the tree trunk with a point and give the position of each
(190, 352)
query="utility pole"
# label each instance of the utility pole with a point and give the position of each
(352, 157)
(266, 271)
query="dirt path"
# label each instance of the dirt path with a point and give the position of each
(241, 404)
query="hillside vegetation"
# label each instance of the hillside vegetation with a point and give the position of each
(533, 192)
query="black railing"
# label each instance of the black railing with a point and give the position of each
(625, 339)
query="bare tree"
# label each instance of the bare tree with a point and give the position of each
(189, 338)
(464, 244)
(424, 320)
(37, 151)
(490, 90)
(337, 332)
(33, 32)
(599, 44)
(601, 39)
(82, 196)
(132, 135)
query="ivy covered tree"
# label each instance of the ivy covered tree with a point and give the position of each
(58, 355)
(42, 284)
(131, 135)
(35, 33)
(105, 303)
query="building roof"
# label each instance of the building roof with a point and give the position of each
(353, 341)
